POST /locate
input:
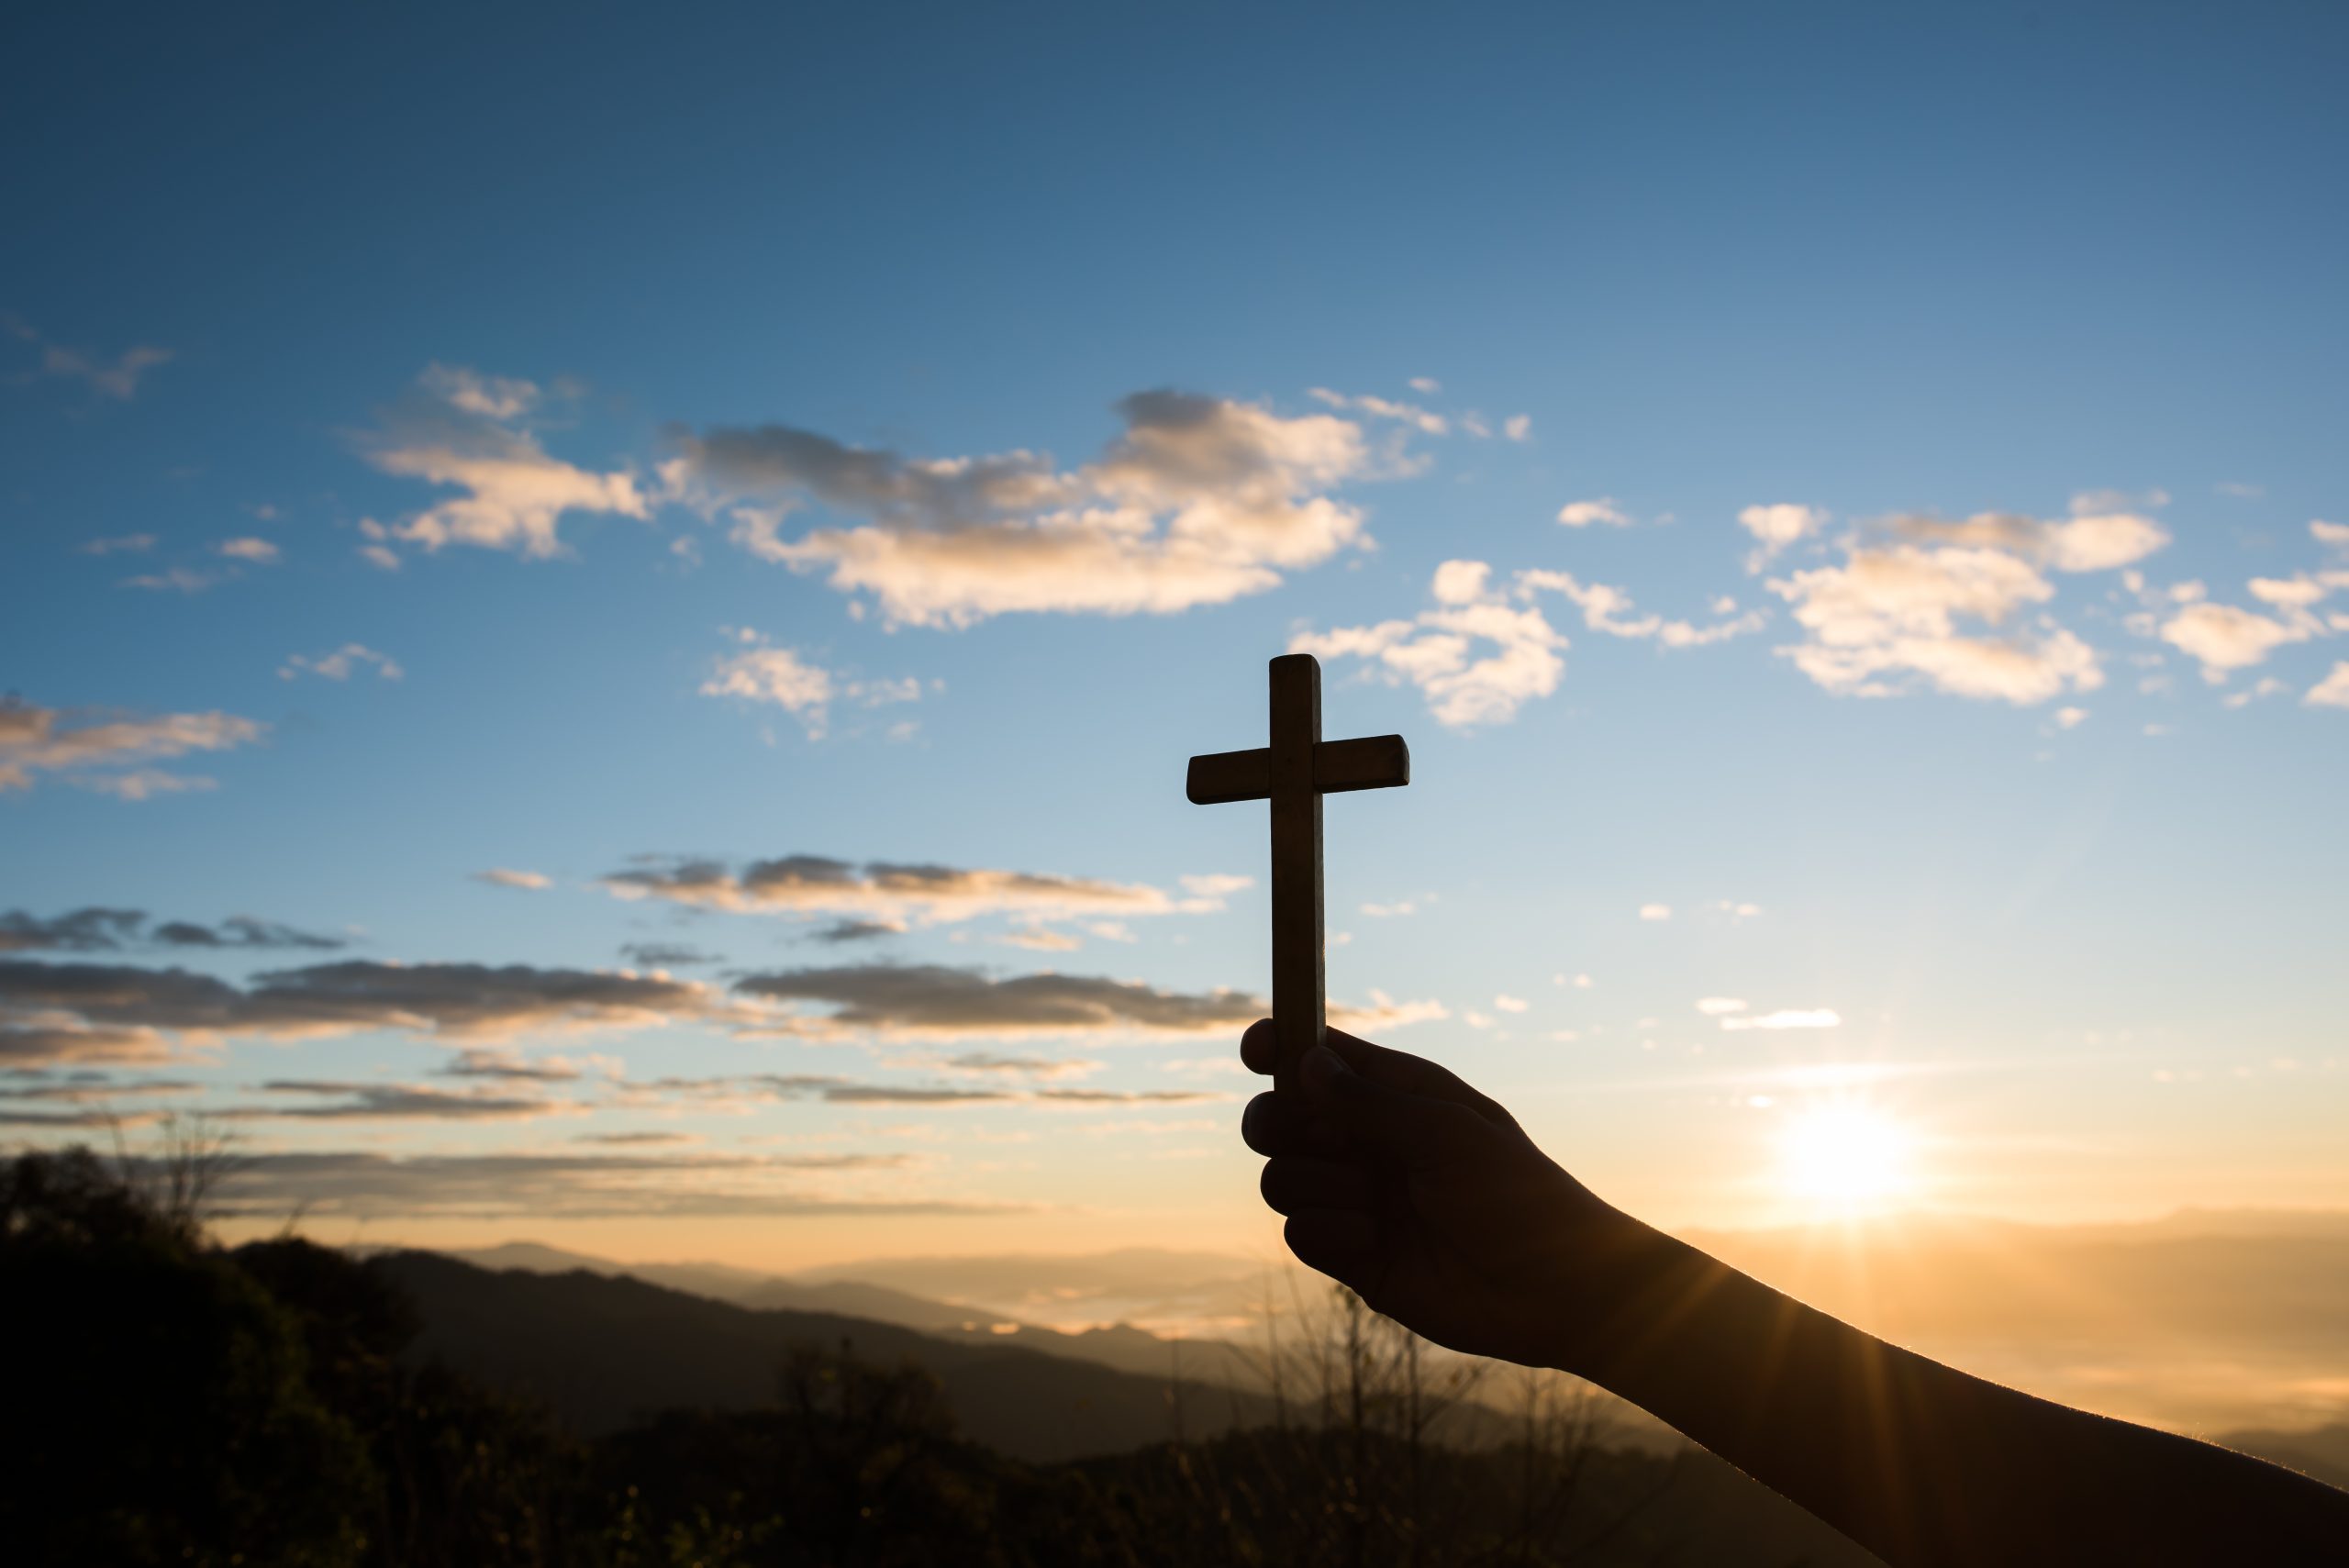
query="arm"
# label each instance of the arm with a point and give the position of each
(1426, 1198)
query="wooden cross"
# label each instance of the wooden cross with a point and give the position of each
(1294, 772)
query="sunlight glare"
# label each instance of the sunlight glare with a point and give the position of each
(1844, 1155)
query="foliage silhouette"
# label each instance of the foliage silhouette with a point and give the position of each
(275, 1405)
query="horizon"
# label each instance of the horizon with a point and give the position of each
(615, 658)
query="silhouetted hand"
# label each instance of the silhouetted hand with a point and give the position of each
(1428, 1200)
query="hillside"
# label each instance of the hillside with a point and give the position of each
(1119, 1346)
(604, 1350)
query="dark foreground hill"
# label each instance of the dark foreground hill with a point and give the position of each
(287, 1406)
(603, 1351)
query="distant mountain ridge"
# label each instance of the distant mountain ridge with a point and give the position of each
(605, 1349)
(1119, 1346)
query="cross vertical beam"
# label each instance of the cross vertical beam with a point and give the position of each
(1300, 1001)
(1294, 772)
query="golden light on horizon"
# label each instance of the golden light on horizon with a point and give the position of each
(1847, 1155)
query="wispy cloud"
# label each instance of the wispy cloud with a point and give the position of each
(339, 664)
(117, 378)
(591, 1186)
(79, 1011)
(916, 1000)
(522, 881)
(881, 896)
(760, 672)
(1785, 1018)
(104, 750)
(98, 929)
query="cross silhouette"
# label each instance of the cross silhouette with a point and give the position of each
(1294, 772)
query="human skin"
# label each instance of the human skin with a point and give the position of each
(1426, 1199)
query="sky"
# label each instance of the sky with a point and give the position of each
(606, 609)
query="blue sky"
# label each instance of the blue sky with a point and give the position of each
(1984, 361)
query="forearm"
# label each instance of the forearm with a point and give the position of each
(1920, 1463)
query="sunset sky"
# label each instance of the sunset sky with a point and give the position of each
(604, 614)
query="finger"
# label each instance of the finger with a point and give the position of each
(1402, 1070)
(1296, 1184)
(1343, 1245)
(1258, 1047)
(1274, 1123)
(1385, 1119)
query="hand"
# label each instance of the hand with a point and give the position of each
(1427, 1200)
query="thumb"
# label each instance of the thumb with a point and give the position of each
(1380, 1117)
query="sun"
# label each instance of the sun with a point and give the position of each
(1846, 1156)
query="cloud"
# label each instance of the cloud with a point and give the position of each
(1379, 407)
(988, 1061)
(181, 580)
(1607, 610)
(117, 378)
(2226, 639)
(104, 1115)
(846, 930)
(503, 876)
(2091, 540)
(337, 666)
(2333, 690)
(392, 1102)
(1887, 612)
(1042, 939)
(1200, 501)
(1217, 885)
(1582, 514)
(260, 551)
(125, 544)
(102, 750)
(666, 955)
(788, 680)
(1508, 1003)
(475, 1062)
(465, 1000)
(590, 1185)
(62, 1042)
(1384, 1012)
(1127, 1096)
(1777, 526)
(241, 932)
(81, 930)
(1714, 1007)
(462, 431)
(880, 893)
(486, 396)
(1433, 650)
(912, 1095)
(913, 1000)
(81, 1087)
(1517, 426)
(1786, 1018)
(776, 676)
(1656, 911)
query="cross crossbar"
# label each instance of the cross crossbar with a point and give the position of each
(1294, 772)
